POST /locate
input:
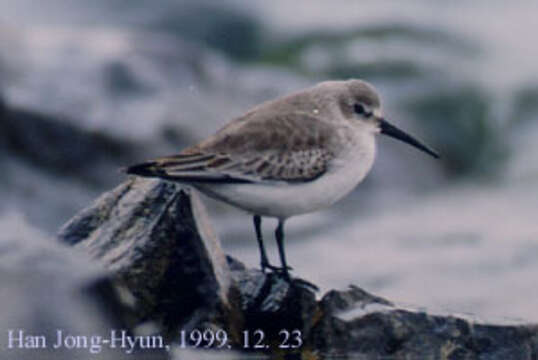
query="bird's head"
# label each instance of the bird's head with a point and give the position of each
(360, 103)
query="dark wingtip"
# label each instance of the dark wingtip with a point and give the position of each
(143, 169)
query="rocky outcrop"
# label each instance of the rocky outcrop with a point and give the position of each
(155, 238)
(159, 244)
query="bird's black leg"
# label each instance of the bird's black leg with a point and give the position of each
(263, 254)
(257, 226)
(279, 234)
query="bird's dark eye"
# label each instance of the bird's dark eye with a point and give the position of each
(359, 109)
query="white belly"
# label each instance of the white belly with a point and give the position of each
(282, 200)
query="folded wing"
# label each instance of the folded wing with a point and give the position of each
(290, 148)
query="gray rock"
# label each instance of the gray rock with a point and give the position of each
(156, 238)
(270, 303)
(355, 321)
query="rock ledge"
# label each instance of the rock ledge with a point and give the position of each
(156, 240)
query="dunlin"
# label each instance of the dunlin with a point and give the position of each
(289, 156)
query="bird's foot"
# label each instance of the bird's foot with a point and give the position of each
(305, 284)
(276, 269)
(284, 274)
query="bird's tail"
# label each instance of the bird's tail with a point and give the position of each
(191, 167)
(146, 169)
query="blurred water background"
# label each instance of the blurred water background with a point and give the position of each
(89, 86)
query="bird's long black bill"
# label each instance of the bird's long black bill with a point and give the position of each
(393, 131)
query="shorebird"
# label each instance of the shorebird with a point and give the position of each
(289, 156)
